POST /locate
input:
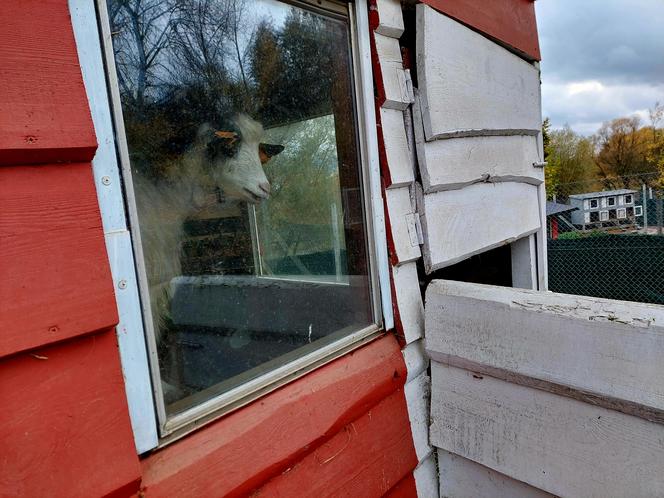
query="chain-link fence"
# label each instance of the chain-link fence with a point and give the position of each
(607, 240)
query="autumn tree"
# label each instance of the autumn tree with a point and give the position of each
(570, 166)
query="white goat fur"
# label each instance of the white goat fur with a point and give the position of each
(164, 206)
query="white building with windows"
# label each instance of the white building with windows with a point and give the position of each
(607, 208)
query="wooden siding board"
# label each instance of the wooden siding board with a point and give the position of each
(470, 86)
(390, 18)
(418, 392)
(44, 115)
(408, 299)
(459, 162)
(402, 224)
(64, 428)
(397, 151)
(426, 478)
(56, 282)
(462, 478)
(560, 445)
(231, 457)
(460, 223)
(405, 488)
(511, 22)
(367, 458)
(417, 361)
(603, 351)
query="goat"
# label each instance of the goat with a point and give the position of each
(228, 160)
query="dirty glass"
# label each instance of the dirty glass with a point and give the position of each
(246, 189)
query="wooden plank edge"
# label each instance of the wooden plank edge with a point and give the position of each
(633, 408)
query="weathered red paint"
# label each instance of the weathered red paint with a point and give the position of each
(367, 458)
(238, 453)
(554, 228)
(64, 427)
(511, 22)
(44, 116)
(56, 282)
(406, 488)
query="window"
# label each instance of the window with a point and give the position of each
(611, 201)
(244, 160)
(629, 199)
(638, 210)
(594, 203)
(593, 217)
(603, 216)
(622, 213)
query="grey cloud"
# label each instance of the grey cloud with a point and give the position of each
(616, 41)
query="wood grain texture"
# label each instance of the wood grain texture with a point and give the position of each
(231, 458)
(471, 86)
(557, 444)
(367, 458)
(418, 392)
(395, 80)
(408, 299)
(462, 478)
(56, 282)
(65, 429)
(405, 488)
(511, 22)
(604, 352)
(417, 361)
(44, 114)
(458, 224)
(390, 18)
(397, 152)
(402, 224)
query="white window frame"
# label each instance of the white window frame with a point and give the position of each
(603, 216)
(631, 199)
(608, 201)
(638, 211)
(150, 425)
(596, 201)
(623, 215)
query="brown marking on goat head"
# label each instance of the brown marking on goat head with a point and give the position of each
(268, 151)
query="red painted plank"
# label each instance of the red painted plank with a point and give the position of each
(511, 22)
(44, 116)
(367, 458)
(64, 426)
(238, 453)
(406, 488)
(55, 279)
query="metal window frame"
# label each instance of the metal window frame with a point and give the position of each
(152, 427)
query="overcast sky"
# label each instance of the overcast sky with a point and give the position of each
(601, 59)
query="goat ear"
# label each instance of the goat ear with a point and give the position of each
(268, 151)
(224, 143)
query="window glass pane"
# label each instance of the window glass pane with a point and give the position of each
(242, 138)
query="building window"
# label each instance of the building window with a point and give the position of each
(603, 216)
(629, 199)
(638, 210)
(247, 193)
(611, 201)
(594, 203)
(593, 217)
(622, 213)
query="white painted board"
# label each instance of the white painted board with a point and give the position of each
(560, 445)
(426, 478)
(460, 223)
(416, 359)
(390, 18)
(397, 151)
(457, 162)
(418, 392)
(402, 224)
(523, 254)
(409, 300)
(396, 80)
(471, 85)
(462, 478)
(608, 352)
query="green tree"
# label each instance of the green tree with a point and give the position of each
(570, 166)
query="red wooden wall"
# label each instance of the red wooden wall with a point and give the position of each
(342, 430)
(511, 22)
